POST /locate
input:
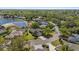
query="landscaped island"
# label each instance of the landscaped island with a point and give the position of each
(39, 30)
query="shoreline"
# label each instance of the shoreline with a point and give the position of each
(13, 24)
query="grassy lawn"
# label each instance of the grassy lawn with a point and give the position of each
(52, 33)
(19, 20)
(2, 39)
(28, 36)
(56, 42)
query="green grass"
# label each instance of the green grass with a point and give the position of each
(52, 33)
(19, 20)
(56, 42)
(2, 39)
(28, 37)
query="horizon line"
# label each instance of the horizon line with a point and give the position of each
(48, 8)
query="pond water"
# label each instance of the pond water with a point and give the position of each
(21, 23)
(18, 22)
(4, 21)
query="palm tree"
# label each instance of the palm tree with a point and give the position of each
(66, 48)
(47, 31)
(61, 42)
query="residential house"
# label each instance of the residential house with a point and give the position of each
(15, 33)
(2, 29)
(21, 17)
(38, 47)
(42, 38)
(74, 38)
(43, 23)
(37, 19)
(36, 32)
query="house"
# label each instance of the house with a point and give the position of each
(71, 25)
(12, 27)
(37, 19)
(2, 29)
(42, 38)
(1, 16)
(21, 17)
(15, 33)
(36, 32)
(38, 47)
(74, 38)
(43, 23)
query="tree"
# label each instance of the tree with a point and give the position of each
(2, 40)
(65, 31)
(61, 42)
(66, 48)
(56, 21)
(50, 26)
(28, 36)
(35, 25)
(47, 31)
(17, 44)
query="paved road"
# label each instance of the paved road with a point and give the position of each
(51, 47)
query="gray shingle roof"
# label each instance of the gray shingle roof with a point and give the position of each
(74, 38)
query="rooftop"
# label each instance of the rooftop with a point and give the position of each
(74, 38)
